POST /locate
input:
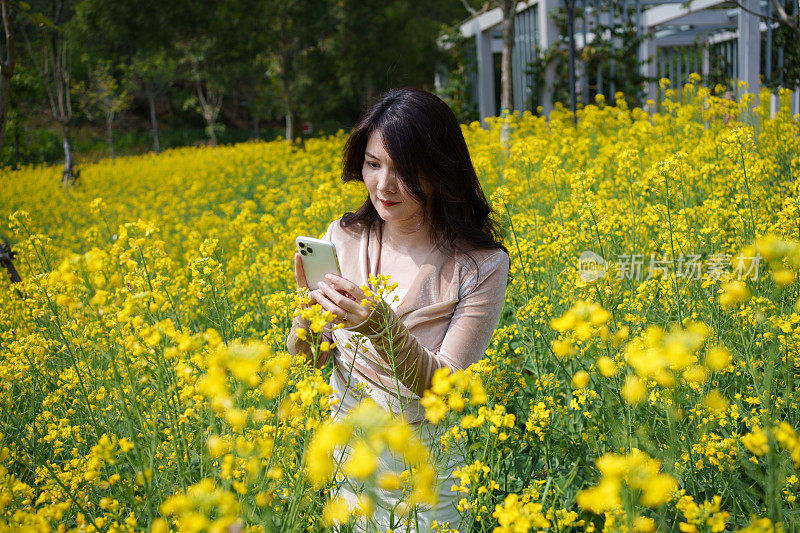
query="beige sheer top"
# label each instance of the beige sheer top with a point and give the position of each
(445, 319)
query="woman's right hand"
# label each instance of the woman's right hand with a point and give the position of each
(300, 278)
(299, 273)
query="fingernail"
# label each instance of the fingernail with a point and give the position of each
(329, 276)
(320, 284)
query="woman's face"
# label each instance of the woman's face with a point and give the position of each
(393, 201)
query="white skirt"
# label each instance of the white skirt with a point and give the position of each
(389, 506)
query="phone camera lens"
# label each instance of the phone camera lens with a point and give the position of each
(309, 250)
(303, 252)
(302, 245)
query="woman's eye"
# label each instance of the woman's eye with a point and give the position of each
(372, 164)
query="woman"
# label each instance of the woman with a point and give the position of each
(427, 224)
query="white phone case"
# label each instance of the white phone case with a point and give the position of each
(319, 258)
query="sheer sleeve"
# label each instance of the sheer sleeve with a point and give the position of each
(471, 327)
(296, 345)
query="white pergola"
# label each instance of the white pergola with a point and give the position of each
(667, 27)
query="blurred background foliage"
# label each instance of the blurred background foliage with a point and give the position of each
(148, 75)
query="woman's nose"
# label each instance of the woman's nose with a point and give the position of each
(387, 182)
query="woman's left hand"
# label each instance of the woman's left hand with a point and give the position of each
(343, 298)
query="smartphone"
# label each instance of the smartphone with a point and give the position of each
(319, 258)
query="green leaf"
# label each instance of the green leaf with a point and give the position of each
(41, 20)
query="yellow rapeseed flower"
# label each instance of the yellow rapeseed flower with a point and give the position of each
(362, 462)
(335, 512)
(757, 441)
(580, 379)
(633, 390)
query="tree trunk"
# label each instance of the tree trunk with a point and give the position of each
(54, 69)
(256, 131)
(296, 130)
(509, 8)
(110, 135)
(293, 127)
(211, 127)
(173, 111)
(369, 88)
(5, 89)
(67, 177)
(6, 261)
(6, 69)
(288, 59)
(16, 148)
(151, 101)
(210, 104)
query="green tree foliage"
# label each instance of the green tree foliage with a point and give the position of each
(25, 142)
(8, 61)
(151, 74)
(229, 63)
(137, 38)
(457, 89)
(104, 97)
(387, 44)
(785, 50)
(50, 49)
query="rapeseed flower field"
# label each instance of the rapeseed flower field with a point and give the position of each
(645, 374)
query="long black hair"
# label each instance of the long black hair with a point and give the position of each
(423, 137)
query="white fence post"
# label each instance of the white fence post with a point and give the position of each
(483, 44)
(548, 35)
(750, 46)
